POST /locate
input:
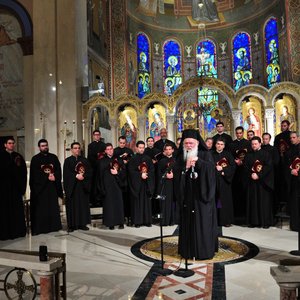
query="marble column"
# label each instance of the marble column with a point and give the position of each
(236, 116)
(114, 131)
(58, 77)
(269, 122)
(46, 285)
(142, 128)
(171, 127)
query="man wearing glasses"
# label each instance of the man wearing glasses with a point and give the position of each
(221, 134)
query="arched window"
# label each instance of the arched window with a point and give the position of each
(206, 59)
(271, 52)
(143, 62)
(207, 98)
(241, 60)
(172, 67)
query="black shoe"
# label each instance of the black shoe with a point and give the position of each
(85, 228)
(121, 226)
(251, 226)
(148, 225)
(111, 227)
(266, 227)
(70, 230)
(137, 226)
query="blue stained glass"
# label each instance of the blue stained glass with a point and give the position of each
(206, 59)
(143, 62)
(241, 59)
(172, 67)
(271, 52)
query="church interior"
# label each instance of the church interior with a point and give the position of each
(131, 68)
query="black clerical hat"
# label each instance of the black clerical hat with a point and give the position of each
(191, 133)
(194, 134)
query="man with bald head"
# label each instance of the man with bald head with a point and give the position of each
(195, 183)
(163, 140)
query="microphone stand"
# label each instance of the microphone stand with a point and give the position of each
(161, 197)
(184, 273)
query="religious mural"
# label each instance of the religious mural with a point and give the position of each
(11, 74)
(271, 52)
(155, 121)
(172, 67)
(285, 109)
(128, 125)
(252, 116)
(241, 60)
(143, 62)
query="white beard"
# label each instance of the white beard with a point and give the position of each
(190, 154)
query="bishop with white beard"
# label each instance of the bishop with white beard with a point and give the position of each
(194, 176)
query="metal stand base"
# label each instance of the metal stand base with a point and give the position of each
(295, 252)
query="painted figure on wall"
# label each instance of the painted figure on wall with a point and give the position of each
(205, 11)
(156, 126)
(129, 131)
(285, 115)
(252, 122)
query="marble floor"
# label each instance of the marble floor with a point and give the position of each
(100, 264)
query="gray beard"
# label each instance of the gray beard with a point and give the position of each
(190, 154)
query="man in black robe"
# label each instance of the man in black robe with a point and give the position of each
(77, 174)
(163, 140)
(125, 154)
(293, 166)
(45, 189)
(260, 184)
(282, 143)
(141, 186)
(111, 179)
(165, 187)
(239, 149)
(150, 150)
(209, 142)
(95, 152)
(221, 134)
(194, 179)
(225, 168)
(274, 155)
(13, 180)
(250, 135)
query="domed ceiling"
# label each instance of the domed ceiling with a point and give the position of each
(186, 15)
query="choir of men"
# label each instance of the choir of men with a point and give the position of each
(232, 183)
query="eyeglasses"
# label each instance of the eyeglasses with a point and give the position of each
(76, 148)
(10, 143)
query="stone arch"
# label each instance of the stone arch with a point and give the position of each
(285, 87)
(254, 90)
(94, 102)
(196, 82)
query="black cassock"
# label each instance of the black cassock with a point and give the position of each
(111, 188)
(259, 192)
(13, 180)
(165, 187)
(226, 137)
(95, 152)
(198, 220)
(294, 187)
(77, 192)
(141, 190)
(237, 149)
(224, 178)
(118, 153)
(282, 143)
(44, 208)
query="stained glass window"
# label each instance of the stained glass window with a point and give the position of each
(241, 60)
(271, 52)
(172, 67)
(143, 62)
(207, 98)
